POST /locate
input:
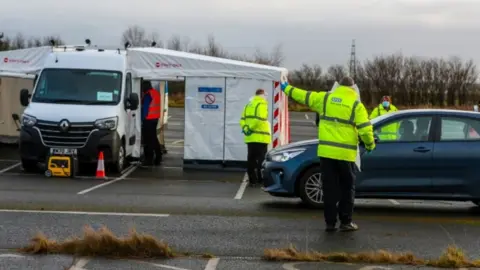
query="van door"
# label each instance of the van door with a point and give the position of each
(130, 119)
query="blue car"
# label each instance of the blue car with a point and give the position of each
(435, 155)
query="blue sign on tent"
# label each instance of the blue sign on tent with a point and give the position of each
(209, 97)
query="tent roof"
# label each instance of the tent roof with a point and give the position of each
(159, 63)
(150, 63)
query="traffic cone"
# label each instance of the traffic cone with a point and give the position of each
(100, 167)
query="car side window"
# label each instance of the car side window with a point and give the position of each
(128, 88)
(408, 129)
(457, 128)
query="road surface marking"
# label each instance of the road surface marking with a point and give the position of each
(375, 267)
(173, 146)
(79, 265)
(164, 266)
(242, 188)
(10, 255)
(212, 264)
(84, 213)
(177, 141)
(290, 266)
(394, 202)
(172, 167)
(9, 160)
(306, 116)
(123, 176)
(10, 167)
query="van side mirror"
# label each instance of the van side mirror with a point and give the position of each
(133, 101)
(24, 97)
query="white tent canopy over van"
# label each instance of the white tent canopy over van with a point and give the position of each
(216, 91)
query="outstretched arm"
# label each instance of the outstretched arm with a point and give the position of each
(314, 100)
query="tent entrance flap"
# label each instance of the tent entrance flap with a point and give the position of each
(204, 118)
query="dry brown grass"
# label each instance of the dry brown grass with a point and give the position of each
(453, 257)
(102, 243)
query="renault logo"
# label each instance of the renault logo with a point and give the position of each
(64, 125)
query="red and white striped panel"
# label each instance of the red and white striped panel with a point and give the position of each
(276, 114)
(281, 127)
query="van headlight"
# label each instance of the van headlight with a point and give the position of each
(287, 155)
(107, 123)
(28, 120)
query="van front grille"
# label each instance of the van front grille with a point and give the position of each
(76, 135)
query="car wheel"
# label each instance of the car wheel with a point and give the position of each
(119, 165)
(310, 188)
(29, 166)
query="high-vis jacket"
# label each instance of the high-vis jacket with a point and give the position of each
(154, 109)
(254, 120)
(389, 132)
(342, 120)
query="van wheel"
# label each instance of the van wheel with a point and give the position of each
(30, 166)
(119, 165)
(310, 188)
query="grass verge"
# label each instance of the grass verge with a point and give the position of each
(103, 243)
(452, 257)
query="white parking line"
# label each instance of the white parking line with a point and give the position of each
(10, 167)
(164, 266)
(9, 160)
(84, 213)
(123, 176)
(242, 188)
(306, 116)
(394, 202)
(79, 265)
(177, 141)
(212, 264)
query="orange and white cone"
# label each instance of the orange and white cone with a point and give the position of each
(100, 167)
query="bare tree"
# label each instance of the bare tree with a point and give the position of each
(136, 36)
(336, 72)
(175, 43)
(275, 58)
(19, 42)
(213, 48)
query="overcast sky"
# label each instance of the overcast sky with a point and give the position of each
(311, 31)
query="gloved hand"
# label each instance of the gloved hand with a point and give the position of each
(283, 85)
(246, 130)
(370, 147)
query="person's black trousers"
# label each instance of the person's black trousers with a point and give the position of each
(151, 147)
(255, 157)
(338, 185)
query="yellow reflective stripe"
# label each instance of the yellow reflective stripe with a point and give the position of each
(362, 125)
(307, 98)
(339, 145)
(252, 116)
(260, 132)
(290, 93)
(351, 121)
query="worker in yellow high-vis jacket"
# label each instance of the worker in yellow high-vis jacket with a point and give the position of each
(389, 132)
(343, 118)
(256, 128)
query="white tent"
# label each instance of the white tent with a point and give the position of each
(212, 131)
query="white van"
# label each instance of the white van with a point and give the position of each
(83, 101)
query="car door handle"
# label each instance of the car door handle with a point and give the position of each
(421, 149)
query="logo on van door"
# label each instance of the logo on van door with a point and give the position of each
(64, 125)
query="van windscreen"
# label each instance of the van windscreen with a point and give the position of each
(78, 86)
